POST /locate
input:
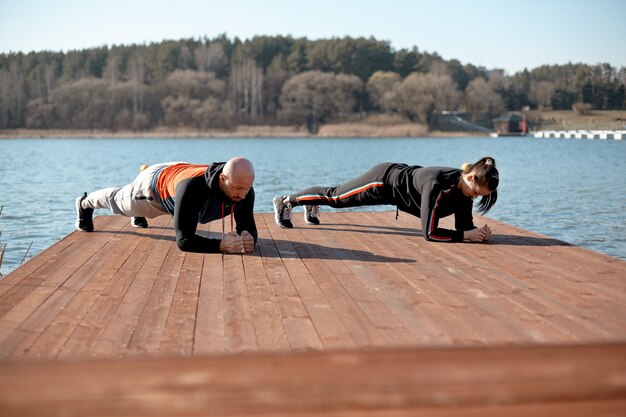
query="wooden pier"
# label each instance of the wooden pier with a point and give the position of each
(357, 316)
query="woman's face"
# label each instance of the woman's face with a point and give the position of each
(470, 187)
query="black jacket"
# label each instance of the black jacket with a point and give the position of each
(201, 200)
(431, 193)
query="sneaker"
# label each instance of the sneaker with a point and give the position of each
(140, 222)
(282, 212)
(84, 220)
(312, 214)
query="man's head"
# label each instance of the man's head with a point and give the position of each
(236, 178)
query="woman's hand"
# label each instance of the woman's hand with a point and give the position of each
(478, 235)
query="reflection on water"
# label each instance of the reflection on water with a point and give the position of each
(568, 189)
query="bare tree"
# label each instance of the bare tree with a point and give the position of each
(621, 75)
(5, 98)
(420, 94)
(11, 96)
(16, 75)
(247, 88)
(37, 114)
(50, 82)
(378, 85)
(276, 77)
(84, 104)
(186, 58)
(211, 58)
(439, 68)
(138, 75)
(315, 97)
(195, 99)
(497, 79)
(481, 101)
(446, 95)
(111, 71)
(542, 92)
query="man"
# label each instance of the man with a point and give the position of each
(192, 194)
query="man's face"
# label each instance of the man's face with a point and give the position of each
(236, 186)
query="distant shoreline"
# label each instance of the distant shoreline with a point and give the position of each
(242, 132)
(370, 127)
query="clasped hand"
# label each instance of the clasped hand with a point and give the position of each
(234, 243)
(481, 234)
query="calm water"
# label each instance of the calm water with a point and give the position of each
(574, 190)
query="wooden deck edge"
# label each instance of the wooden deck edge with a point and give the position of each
(500, 380)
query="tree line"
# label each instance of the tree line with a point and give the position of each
(221, 83)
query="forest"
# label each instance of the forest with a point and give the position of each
(222, 83)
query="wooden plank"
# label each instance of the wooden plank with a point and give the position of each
(239, 330)
(39, 272)
(151, 324)
(271, 334)
(478, 295)
(417, 308)
(62, 268)
(21, 276)
(27, 304)
(209, 332)
(142, 266)
(528, 258)
(558, 300)
(502, 276)
(113, 276)
(497, 380)
(299, 326)
(13, 342)
(332, 332)
(334, 269)
(359, 280)
(394, 282)
(54, 337)
(13, 296)
(576, 297)
(181, 321)
(357, 323)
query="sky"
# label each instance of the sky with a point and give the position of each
(494, 34)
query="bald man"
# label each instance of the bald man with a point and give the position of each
(192, 194)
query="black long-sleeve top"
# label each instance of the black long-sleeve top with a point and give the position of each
(200, 199)
(431, 193)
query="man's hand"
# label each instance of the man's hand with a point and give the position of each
(248, 241)
(478, 235)
(231, 243)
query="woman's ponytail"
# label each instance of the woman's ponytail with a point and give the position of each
(486, 175)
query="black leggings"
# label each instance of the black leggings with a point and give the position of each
(368, 189)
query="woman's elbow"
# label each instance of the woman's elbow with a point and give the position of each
(183, 244)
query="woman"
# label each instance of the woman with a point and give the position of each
(429, 193)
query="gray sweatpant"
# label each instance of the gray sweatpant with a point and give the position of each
(133, 200)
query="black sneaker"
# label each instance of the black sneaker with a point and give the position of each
(312, 214)
(84, 220)
(282, 212)
(140, 222)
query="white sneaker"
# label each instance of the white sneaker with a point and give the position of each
(282, 212)
(312, 214)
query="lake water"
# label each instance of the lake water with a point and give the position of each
(573, 190)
